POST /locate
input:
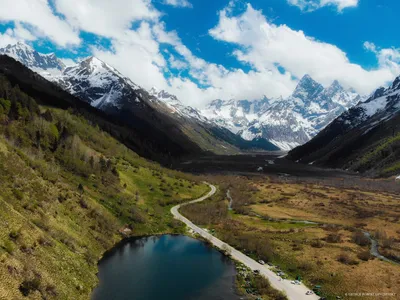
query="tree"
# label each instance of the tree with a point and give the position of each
(81, 188)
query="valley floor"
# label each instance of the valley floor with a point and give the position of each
(312, 229)
(297, 292)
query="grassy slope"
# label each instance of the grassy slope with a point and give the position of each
(52, 232)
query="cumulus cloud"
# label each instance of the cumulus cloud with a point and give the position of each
(264, 45)
(178, 3)
(139, 56)
(7, 38)
(105, 17)
(38, 14)
(311, 5)
(16, 34)
(176, 63)
(388, 58)
(139, 42)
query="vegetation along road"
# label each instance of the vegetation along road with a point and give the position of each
(297, 292)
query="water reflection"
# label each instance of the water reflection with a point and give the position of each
(166, 267)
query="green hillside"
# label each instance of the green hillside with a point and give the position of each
(67, 189)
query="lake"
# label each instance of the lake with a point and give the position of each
(165, 267)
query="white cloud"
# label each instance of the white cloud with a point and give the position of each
(310, 5)
(16, 34)
(105, 17)
(21, 32)
(139, 41)
(178, 3)
(7, 38)
(137, 55)
(177, 63)
(264, 45)
(38, 14)
(388, 58)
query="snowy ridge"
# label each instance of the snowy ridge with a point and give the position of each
(381, 105)
(47, 65)
(176, 106)
(289, 122)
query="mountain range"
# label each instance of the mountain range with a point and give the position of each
(268, 124)
(179, 130)
(366, 138)
(286, 122)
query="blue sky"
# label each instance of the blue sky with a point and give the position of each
(348, 29)
(206, 49)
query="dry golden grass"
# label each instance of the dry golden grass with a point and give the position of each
(329, 205)
(309, 250)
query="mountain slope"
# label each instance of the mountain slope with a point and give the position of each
(177, 129)
(204, 131)
(69, 192)
(364, 138)
(134, 133)
(288, 122)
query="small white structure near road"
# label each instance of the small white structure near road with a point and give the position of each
(260, 169)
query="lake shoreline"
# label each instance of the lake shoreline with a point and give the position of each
(227, 264)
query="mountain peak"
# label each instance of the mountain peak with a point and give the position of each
(334, 88)
(336, 84)
(40, 63)
(164, 96)
(19, 47)
(307, 88)
(94, 61)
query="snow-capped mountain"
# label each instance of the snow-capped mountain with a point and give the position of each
(101, 85)
(287, 122)
(382, 105)
(47, 65)
(154, 113)
(176, 106)
(363, 138)
(235, 115)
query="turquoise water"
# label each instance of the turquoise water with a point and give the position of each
(165, 267)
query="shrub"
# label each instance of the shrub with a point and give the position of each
(333, 238)
(344, 258)
(18, 194)
(83, 203)
(9, 247)
(28, 286)
(317, 244)
(364, 255)
(263, 286)
(360, 239)
(14, 234)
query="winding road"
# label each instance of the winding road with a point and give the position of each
(295, 292)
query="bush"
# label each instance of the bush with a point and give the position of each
(83, 203)
(28, 286)
(344, 258)
(263, 286)
(317, 244)
(18, 194)
(14, 234)
(9, 247)
(360, 239)
(333, 238)
(364, 255)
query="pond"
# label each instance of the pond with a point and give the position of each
(165, 267)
